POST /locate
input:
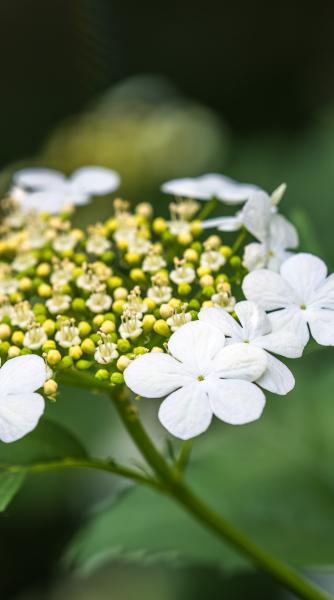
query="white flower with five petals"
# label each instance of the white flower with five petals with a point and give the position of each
(20, 406)
(301, 295)
(50, 191)
(258, 329)
(201, 377)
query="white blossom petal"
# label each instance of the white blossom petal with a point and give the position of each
(236, 402)
(230, 223)
(19, 414)
(323, 296)
(321, 322)
(155, 375)
(51, 201)
(304, 273)
(95, 180)
(256, 215)
(186, 413)
(283, 234)
(240, 361)
(39, 178)
(289, 333)
(196, 344)
(268, 289)
(278, 194)
(277, 378)
(22, 374)
(254, 320)
(220, 318)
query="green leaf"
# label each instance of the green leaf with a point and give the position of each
(49, 441)
(9, 485)
(272, 479)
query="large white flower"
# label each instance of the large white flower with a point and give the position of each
(301, 294)
(201, 377)
(258, 329)
(207, 187)
(20, 406)
(50, 191)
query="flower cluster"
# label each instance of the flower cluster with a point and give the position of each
(156, 302)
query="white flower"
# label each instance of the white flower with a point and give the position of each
(99, 302)
(134, 303)
(182, 273)
(301, 294)
(64, 242)
(51, 191)
(97, 244)
(58, 303)
(24, 261)
(88, 280)
(178, 319)
(20, 406)
(22, 314)
(35, 337)
(153, 262)
(201, 377)
(131, 325)
(139, 245)
(68, 334)
(106, 351)
(159, 292)
(210, 186)
(261, 330)
(213, 260)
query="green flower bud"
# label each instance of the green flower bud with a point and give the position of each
(123, 346)
(235, 262)
(114, 282)
(49, 345)
(75, 352)
(226, 251)
(194, 304)
(137, 276)
(78, 305)
(53, 357)
(184, 289)
(4, 347)
(79, 258)
(13, 352)
(39, 309)
(161, 328)
(66, 363)
(84, 329)
(49, 327)
(148, 323)
(88, 346)
(108, 257)
(17, 338)
(102, 375)
(208, 291)
(117, 378)
(118, 306)
(139, 350)
(25, 351)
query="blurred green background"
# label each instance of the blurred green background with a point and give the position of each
(157, 91)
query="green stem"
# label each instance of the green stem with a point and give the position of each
(241, 237)
(81, 463)
(173, 485)
(207, 209)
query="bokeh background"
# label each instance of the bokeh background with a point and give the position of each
(155, 91)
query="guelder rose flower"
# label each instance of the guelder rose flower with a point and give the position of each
(20, 406)
(301, 293)
(201, 377)
(264, 331)
(210, 186)
(50, 191)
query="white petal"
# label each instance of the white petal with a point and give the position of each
(254, 320)
(277, 378)
(278, 194)
(255, 256)
(323, 296)
(240, 361)
(282, 233)
(236, 402)
(187, 412)
(51, 202)
(39, 178)
(289, 334)
(218, 317)
(321, 322)
(268, 289)
(155, 375)
(257, 214)
(304, 273)
(217, 221)
(230, 223)
(19, 414)
(228, 190)
(186, 188)
(95, 180)
(196, 344)
(22, 374)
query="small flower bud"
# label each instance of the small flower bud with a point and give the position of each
(117, 378)
(166, 311)
(160, 327)
(149, 303)
(184, 289)
(194, 304)
(118, 307)
(156, 349)
(43, 270)
(13, 351)
(207, 304)
(84, 329)
(122, 244)
(159, 225)
(25, 284)
(190, 255)
(137, 275)
(225, 251)
(114, 282)
(206, 280)
(108, 326)
(148, 323)
(17, 338)
(5, 331)
(123, 346)
(235, 262)
(39, 309)
(203, 271)
(121, 293)
(196, 228)
(122, 363)
(88, 346)
(78, 305)
(50, 387)
(49, 327)
(83, 365)
(75, 352)
(97, 321)
(175, 302)
(44, 290)
(208, 291)
(132, 258)
(139, 350)
(144, 209)
(184, 238)
(53, 357)
(102, 375)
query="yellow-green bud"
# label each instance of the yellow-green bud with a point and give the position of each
(83, 365)
(117, 378)
(225, 251)
(161, 328)
(50, 387)
(53, 357)
(132, 258)
(108, 326)
(114, 282)
(166, 311)
(121, 293)
(144, 209)
(159, 225)
(84, 329)
(213, 241)
(175, 302)
(88, 346)
(123, 346)
(137, 275)
(196, 228)
(235, 261)
(185, 238)
(148, 323)
(118, 307)
(78, 305)
(25, 284)
(184, 289)
(222, 278)
(75, 352)
(49, 326)
(122, 363)
(102, 375)
(150, 304)
(39, 309)
(206, 280)
(140, 350)
(156, 349)
(49, 345)
(207, 304)
(5, 331)
(208, 291)
(43, 270)
(98, 320)
(17, 338)
(44, 290)
(203, 271)
(190, 255)
(13, 351)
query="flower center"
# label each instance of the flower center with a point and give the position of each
(200, 378)
(302, 306)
